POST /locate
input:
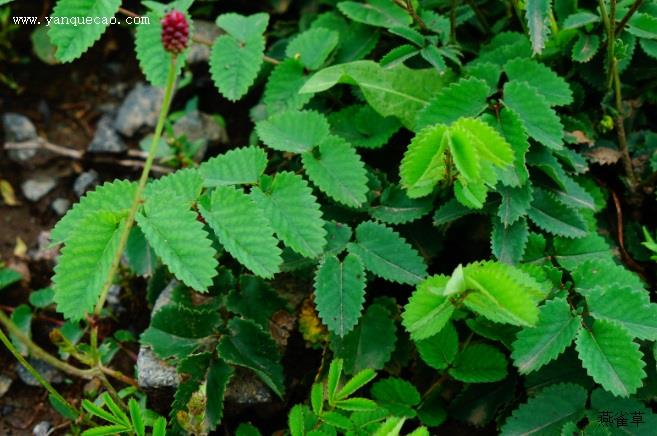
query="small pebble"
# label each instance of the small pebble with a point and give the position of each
(37, 187)
(61, 206)
(41, 429)
(84, 182)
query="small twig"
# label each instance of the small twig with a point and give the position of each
(42, 143)
(118, 376)
(131, 163)
(619, 120)
(635, 7)
(620, 235)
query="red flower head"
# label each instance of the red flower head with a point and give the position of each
(175, 32)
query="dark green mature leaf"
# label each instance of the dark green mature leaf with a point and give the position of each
(337, 169)
(508, 243)
(427, 310)
(179, 239)
(479, 363)
(465, 98)
(626, 307)
(242, 229)
(570, 253)
(85, 263)
(395, 207)
(356, 40)
(555, 89)
(247, 345)
(380, 13)
(548, 411)
(396, 91)
(312, 47)
(293, 131)
(438, 351)
(398, 396)
(370, 344)
(540, 121)
(72, 40)
(515, 203)
(385, 253)
(538, 16)
(192, 370)
(293, 213)
(254, 299)
(643, 25)
(283, 85)
(585, 47)
(219, 375)
(8, 277)
(555, 217)
(611, 357)
(553, 333)
(340, 293)
(22, 319)
(361, 126)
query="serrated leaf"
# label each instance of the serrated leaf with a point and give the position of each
(186, 184)
(153, 59)
(555, 217)
(243, 27)
(395, 207)
(555, 89)
(113, 197)
(85, 262)
(398, 396)
(488, 143)
(627, 307)
(570, 253)
(247, 345)
(427, 310)
(242, 229)
(580, 19)
(293, 213)
(438, 351)
(540, 121)
(553, 333)
(508, 243)
(585, 47)
(340, 293)
(235, 167)
(192, 371)
(356, 40)
(254, 299)
(509, 125)
(538, 12)
(465, 98)
(219, 374)
(283, 85)
(546, 412)
(643, 25)
(293, 131)
(337, 169)
(423, 165)
(380, 13)
(312, 47)
(611, 358)
(370, 344)
(361, 126)
(396, 91)
(386, 254)
(73, 40)
(235, 63)
(179, 239)
(479, 363)
(515, 203)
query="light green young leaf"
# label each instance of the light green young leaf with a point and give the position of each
(85, 263)
(490, 145)
(340, 293)
(386, 254)
(512, 129)
(611, 357)
(72, 40)
(293, 131)
(423, 165)
(547, 411)
(555, 217)
(234, 64)
(570, 253)
(235, 167)
(248, 346)
(427, 310)
(465, 98)
(554, 88)
(242, 229)
(312, 47)
(179, 239)
(479, 363)
(243, 27)
(540, 121)
(356, 382)
(337, 169)
(580, 19)
(293, 213)
(553, 333)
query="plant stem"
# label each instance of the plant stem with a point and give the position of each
(42, 354)
(608, 22)
(619, 121)
(518, 11)
(5, 340)
(635, 7)
(137, 200)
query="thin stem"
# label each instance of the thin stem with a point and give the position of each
(5, 340)
(137, 200)
(619, 121)
(408, 5)
(611, 36)
(42, 354)
(518, 11)
(635, 7)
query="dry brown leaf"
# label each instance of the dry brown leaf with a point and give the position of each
(20, 249)
(580, 137)
(604, 155)
(8, 194)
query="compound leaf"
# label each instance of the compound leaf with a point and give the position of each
(234, 64)
(465, 98)
(427, 310)
(237, 166)
(423, 165)
(293, 131)
(627, 307)
(555, 89)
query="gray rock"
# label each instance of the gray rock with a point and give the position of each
(197, 125)
(245, 388)
(44, 251)
(49, 373)
(5, 384)
(61, 206)
(140, 109)
(105, 139)
(42, 429)
(37, 186)
(19, 128)
(208, 31)
(154, 373)
(84, 182)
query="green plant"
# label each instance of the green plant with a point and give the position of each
(387, 133)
